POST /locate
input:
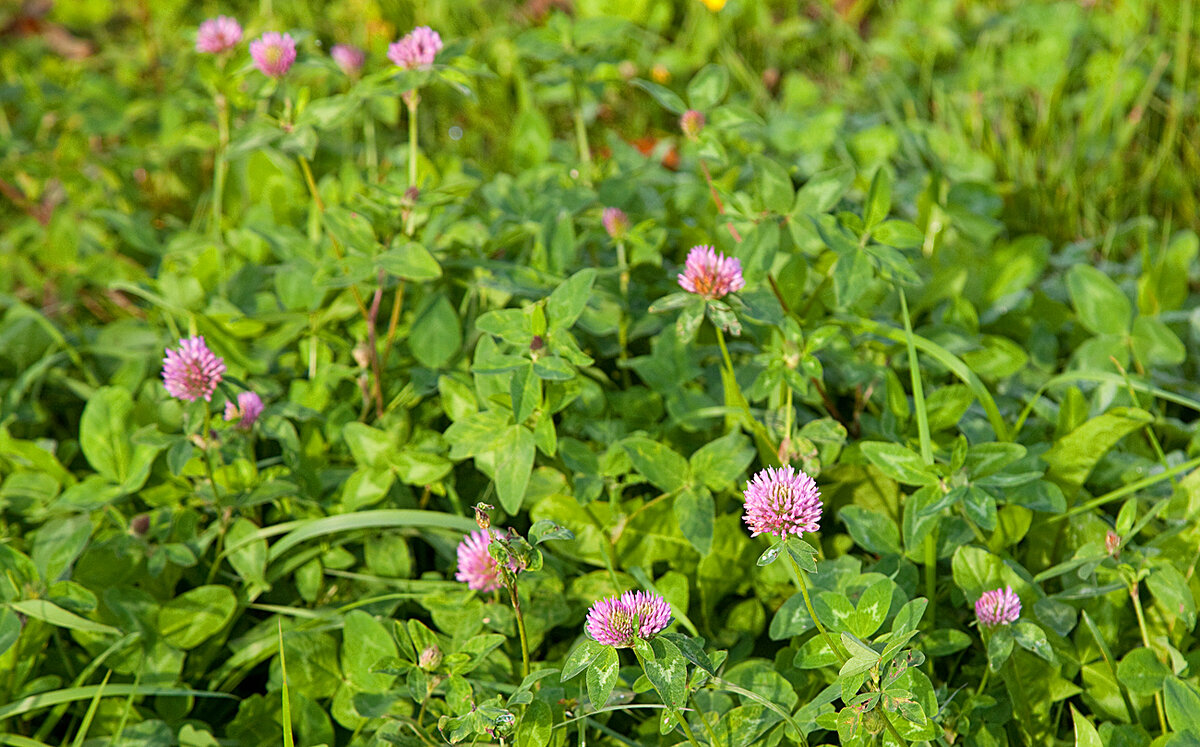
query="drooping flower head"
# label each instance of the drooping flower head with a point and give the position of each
(711, 274)
(998, 607)
(349, 59)
(650, 611)
(218, 35)
(691, 122)
(249, 406)
(616, 223)
(476, 566)
(782, 501)
(192, 371)
(273, 53)
(618, 621)
(417, 49)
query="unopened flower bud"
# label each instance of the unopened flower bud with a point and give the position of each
(140, 524)
(537, 343)
(431, 658)
(1112, 543)
(616, 223)
(362, 354)
(692, 122)
(481, 517)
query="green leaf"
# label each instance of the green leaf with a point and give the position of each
(1182, 705)
(901, 464)
(581, 658)
(1154, 344)
(511, 325)
(1172, 593)
(546, 529)
(667, 671)
(772, 185)
(1141, 672)
(665, 97)
(692, 650)
(1085, 734)
(708, 87)
(872, 608)
(823, 191)
(1032, 638)
(49, 612)
(989, 458)
(536, 726)
(696, 511)
(366, 642)
(602, 676)
(105, 436)
(980, 507)
(1074, 456)
(10, 629)
(999, 647)
(568, 300)
(195, 615)
(514, 464)
(879, 198)
(371, 447)
(909, 616)
(872, 530)
(409, 260)
(664, 468)
(720, 463)
(436, 335)
(771, 554)
(1102, 307)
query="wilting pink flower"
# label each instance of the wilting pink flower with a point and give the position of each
(1112, 543)
(616, 222)
(476, 566)
(417, 49)
(349, 59)
(192, 371)
(617, 621)
(691, 123)
(249, 406)
(998, 607)
(711, 274)
(650, 611)
(782, 501)
(274, 53)
(218, 35)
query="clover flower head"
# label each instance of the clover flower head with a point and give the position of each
(782, 501)
(349, 59)
(273, 53)
(691, 122)
(619, 621)
(246, 411)
(711, 274)
(417, 49)
(616, 222)
(192, 371)
(998, 607)
(476, 566)
(218, 35)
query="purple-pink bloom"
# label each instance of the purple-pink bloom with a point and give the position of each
(249, 406)
(998, 607)
(192, 371)
(218, 35)
(616, 223)
(618, 621)
(349, 59)
(273, 53)
(417, 49)
(476, 566)
(711, 274)
(782, 501)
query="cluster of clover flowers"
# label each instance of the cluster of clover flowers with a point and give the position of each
(779, 501)
(273, 53)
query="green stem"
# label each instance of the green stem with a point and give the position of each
(987, 671)
(799, 574)
(687, 729)
(887, 721)
(931, 574)
(219, 165)
(581, 137)
(623, 325)
(918, 391)
(412, 100)
(516, 603)
(712, 736)
(1141, 618)
(724, 351)
(371, 148)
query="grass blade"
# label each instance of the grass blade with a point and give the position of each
(380, 519)
(71, 694)
(91, 712)
(288, 739)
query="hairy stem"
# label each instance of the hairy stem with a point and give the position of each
(516, 603)
(799, 575)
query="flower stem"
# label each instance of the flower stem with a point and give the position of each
(581, 136)
(219, 165)
(412, 100)
(724, 351)
(712, 736)
(1135, 595)
(687, 729)
(887, 721)
(371, 148)
(516, 603)
(623, 325)
(799, 573)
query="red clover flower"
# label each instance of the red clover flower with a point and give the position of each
(710, 274)
(274, 53)
(249, 406)
(616, 223)
(476, 566)
(349, 59)
(192, 371)
(218, 35)
(782, 501)
(998, 607)
(417, 49)
(619, 621)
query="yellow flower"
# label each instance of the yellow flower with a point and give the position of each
(714, 5)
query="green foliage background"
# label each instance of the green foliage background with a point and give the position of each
(968, 234)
